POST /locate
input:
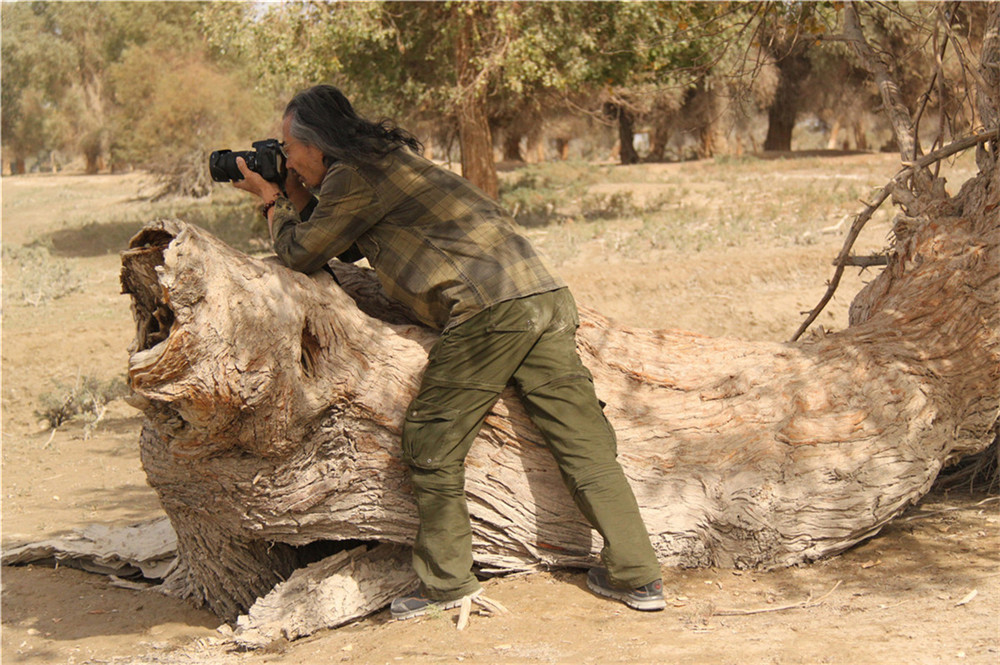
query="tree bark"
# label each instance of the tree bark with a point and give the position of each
(273, 405)
(475, 137)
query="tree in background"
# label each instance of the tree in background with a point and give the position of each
(125, 83)
(36, 68)
(66, 49)
(650, 58)
(156, 85)
(173, 106)
(785, 36)
(470, 64)
(926, 48)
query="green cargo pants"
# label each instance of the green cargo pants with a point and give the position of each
(531, 341)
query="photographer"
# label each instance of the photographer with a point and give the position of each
(442, 247)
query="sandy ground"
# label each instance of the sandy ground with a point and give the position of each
(925, 590)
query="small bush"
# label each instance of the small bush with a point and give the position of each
(532, 199)
(41, 278)
(88, 396)
(617, 205)
(533, 208)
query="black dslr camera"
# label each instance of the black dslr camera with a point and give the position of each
(266, 158)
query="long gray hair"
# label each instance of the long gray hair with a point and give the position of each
(323, 117)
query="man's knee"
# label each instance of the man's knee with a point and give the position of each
(447, 481)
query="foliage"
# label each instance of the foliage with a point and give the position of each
(422, 61)
(98, 78)
(168, 121)
(60, 54)
(35, 77)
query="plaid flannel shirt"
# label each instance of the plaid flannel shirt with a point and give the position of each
(437, 243)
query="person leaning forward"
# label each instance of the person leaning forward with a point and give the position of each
(442, 247)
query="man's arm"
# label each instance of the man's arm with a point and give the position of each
(352, 255)
(346, 208)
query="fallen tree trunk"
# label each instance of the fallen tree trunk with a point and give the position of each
(273, 406)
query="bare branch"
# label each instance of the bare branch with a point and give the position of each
(984, 87)
(852, 236)
(843, 259)
(867, 261)
(936, 80)
(989, 59)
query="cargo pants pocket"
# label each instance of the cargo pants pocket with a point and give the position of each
(429, 435)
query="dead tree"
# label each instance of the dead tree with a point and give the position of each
(273, 402)
(273, 406)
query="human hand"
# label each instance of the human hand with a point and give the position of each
(255, 184)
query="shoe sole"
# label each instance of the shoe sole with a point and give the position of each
(437, 605)
(650, 605)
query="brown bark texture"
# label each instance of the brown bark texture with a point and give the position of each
(273, 402)
(474, 133)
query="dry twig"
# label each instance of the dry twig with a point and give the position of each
(490, 605)
(808, 602)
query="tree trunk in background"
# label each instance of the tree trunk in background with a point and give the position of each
(664, 126)
(477, 147)
(512, 147)
(562, 147)
(792, 69)
(626, 136)
(701, 113)
(273, 402)
(473, 124)
(831, 142)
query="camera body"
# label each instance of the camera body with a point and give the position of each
(266, 158)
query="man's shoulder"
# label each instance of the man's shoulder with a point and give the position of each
(342, 175)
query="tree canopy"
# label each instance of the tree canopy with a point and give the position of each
(98, 80)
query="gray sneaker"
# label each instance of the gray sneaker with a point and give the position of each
(647, 598)
(417, 604)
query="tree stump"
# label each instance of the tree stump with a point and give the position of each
(273, 402)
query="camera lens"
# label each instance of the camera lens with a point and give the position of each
(223, 168)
